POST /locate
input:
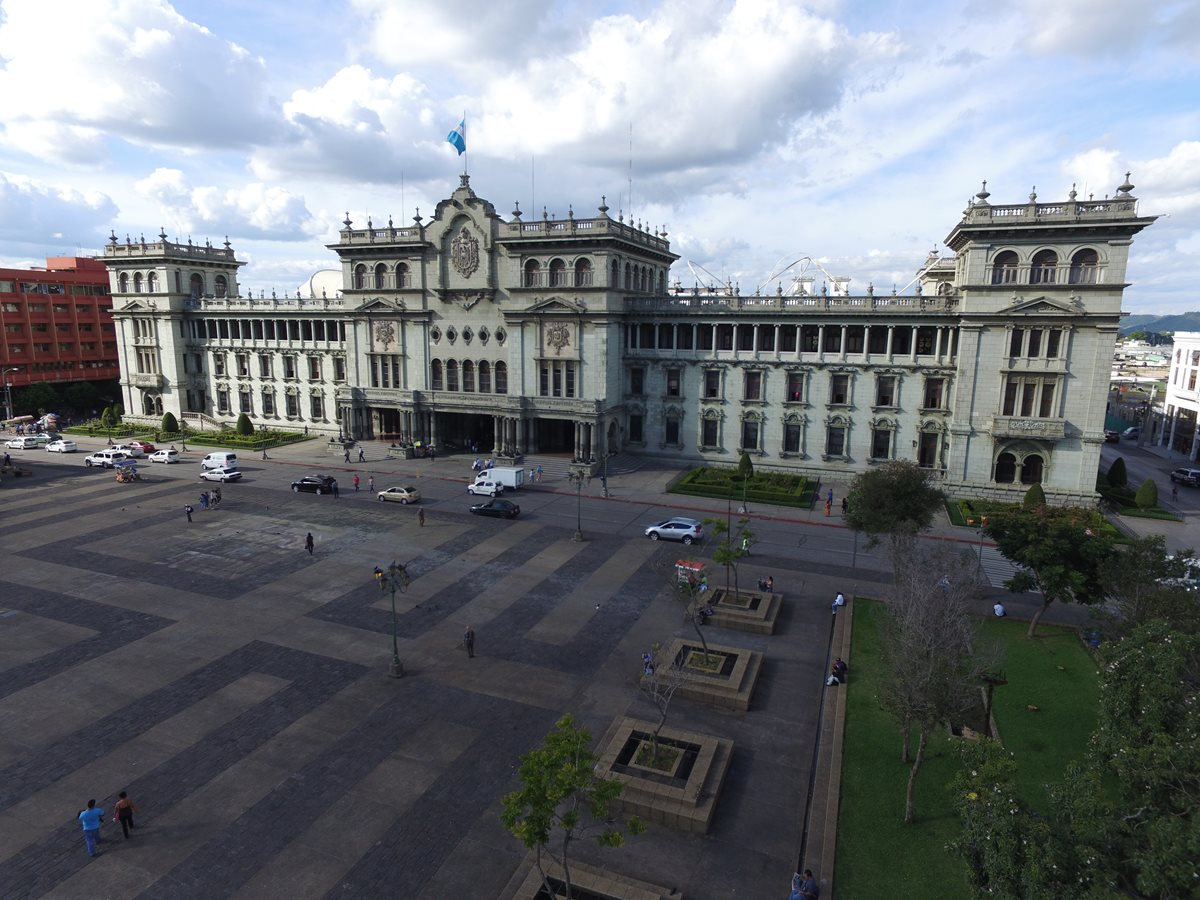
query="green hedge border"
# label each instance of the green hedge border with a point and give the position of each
(775, 488)
(259, 440)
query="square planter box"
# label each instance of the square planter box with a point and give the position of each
(727, 681)
(587, 883)
(752, 611)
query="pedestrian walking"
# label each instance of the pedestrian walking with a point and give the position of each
(829, 497)
(828, 507)
(432, 454)
(187, 511)
(362, 457)
(421, 517)
(7, 460)
(264, 453)
(91, 818)
(346, 451)
(308, 544)
(333, 484)
(539, 472)
(215, 500)
(204, 499)
(371, 483)
(745, 546)
(354, 481)
(845, 505)
(123, 811)
(1174, 491)
(469, 642)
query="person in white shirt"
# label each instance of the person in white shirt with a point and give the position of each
(998, 609)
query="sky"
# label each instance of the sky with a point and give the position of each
(755, 132)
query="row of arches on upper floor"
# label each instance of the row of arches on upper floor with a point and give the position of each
(1047, 267)
(534, 273)
(482, 377)
(148, 283)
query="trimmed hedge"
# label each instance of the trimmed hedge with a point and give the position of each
(1157, 513)
(764, 487)
(227, 437)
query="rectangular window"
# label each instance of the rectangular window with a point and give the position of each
(935, 389)
(1028, 393)
(704, 338)
(1010, 397)
(885, 390)
(712, 384)
(317, 406)
(314, 368)
(557, 379)
(766, 337)
(292, 404)
(339, 369)
(1035, 343)
(544, 380)
(243, 364)
(1014, 347)
(708, 433)
(223, 402)
(673, 382)
(268, 403)
(485, 377)
(787, 338)
(839, 390)
(635, 429)
(570, 372)
(218, 363)
(264, 365)
(881, 443)
(835, 441)
(666, 337)
(752, 386)
(809, 336)
(289, 367)
(750, 435)
(1052, 339)
(854, 339)
(1046, 408)
(724, 337)
(926, 339)
(791, 438)
(672, 431)
(685, 336)
(1191, 380)
(637, 382)
(927, 449)
(901, 341)
(833, 340)
(795, 387)
(244, 404)
(745, 337)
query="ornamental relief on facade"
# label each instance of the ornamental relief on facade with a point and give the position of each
(556, 336)
(464, 253)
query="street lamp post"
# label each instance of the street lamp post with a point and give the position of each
(394, 579)
(579, 476)
(8, 393)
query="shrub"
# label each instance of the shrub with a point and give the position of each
(1034, 497)
(106, 420)
(169, 424)
(1147, 495)
(1116, 473)
(745, 467)
(244, 425)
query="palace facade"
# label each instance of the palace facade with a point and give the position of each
(564, 336)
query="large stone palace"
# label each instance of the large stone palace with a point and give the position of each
(565, 336)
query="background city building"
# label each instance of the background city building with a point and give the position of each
(566, 336)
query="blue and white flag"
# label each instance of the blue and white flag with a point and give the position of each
(458, 137)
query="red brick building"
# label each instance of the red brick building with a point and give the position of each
(56, 323)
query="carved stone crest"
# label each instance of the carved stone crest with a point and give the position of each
(466, 301)
(558, 336)
(464, 253)
(385, 334)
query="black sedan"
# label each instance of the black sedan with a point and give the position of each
(314, 484)
(502, 509)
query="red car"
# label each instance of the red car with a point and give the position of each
(144, 446)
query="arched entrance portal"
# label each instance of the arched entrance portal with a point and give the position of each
(554, 435)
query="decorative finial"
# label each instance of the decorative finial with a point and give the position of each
(1033, 194)
(162, 233)
(112, 235)
(983, 192)
(1126, 187)
(570, 211)
(389, 223)
(273, 297)
(347, 221)
(545, 215)
(417, 217)
(1071, 196)
(871, 289)
(603, 205)
(370, 224)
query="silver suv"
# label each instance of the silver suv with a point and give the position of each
(1187, 476)
(677, 529)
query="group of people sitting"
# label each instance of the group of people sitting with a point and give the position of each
(837, 674)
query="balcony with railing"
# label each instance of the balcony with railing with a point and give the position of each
(716, 304)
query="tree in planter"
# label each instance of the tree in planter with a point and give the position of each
(244, 426)
(1034, 497)
(1147, 495)
(169, 423)
(745, 468)
(896, 500)
(1059, 551)
(1142, 583)
(733, 545)
(563, 800)
(931, 657)
(1117, 476)
(694, 600)
(659, 683)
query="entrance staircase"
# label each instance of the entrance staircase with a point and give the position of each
(558, 465)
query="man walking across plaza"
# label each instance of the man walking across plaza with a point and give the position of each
(308, 544)
(333, 485)
(469, 642)
(371, 483)
(123, 811)
(187, 511)
(354, 481)
(362, 457)
(91, 818)
(346, 450)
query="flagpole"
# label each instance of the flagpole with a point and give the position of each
(464, 156)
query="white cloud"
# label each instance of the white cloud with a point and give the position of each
(133, 70)
(35, 214)
(254, 210)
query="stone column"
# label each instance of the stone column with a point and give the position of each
(913, 347)
(891, 335)
(842, 347)
(820, 342)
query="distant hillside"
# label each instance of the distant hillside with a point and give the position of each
(1189, 321)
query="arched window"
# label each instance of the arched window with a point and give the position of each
(360, 276)
(451, 375)
(380, 276)
(435, 369)
(468, 372)
(616, 274)
(402, 275)
(533, 273)
(148, 404)
(1004, 268)
(196, 283)
(662, 282)
(1045, 267)
(1006, 468)
(123, 282)
(222, 286)
(558, 273)
(644, 281)
(501, 378)
(628, 285)
(1085, 265)
(485, 378)
(137, 282)
(152, 282)
(943, 289)
(1032, 468)
(583, 273)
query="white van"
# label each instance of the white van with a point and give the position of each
(219, 459)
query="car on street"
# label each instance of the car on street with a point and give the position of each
(313, 484)
(486, 487)
(1187, 476)
(43, 437)
(221, 474)
(501, 509)
(106, 459)
(25, 442)
(1112, 436)
(1132, 433)
(129, 450)
(677, 529)
(62, 446)
(164, 456)
(403, 495)
(144, 446)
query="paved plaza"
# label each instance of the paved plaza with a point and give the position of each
(237, 687)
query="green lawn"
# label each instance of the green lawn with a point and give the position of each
(877, 854)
